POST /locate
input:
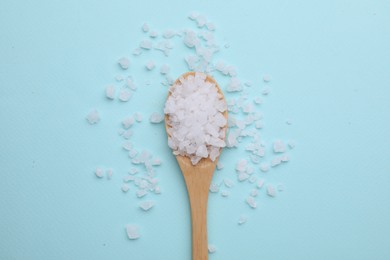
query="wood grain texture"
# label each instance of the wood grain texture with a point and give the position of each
(198, 179)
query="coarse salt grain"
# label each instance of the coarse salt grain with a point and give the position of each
(195, 120)
(164, 69)
(132, 232)
(150, 65)
(145, 27)
(242, 220)
(156, 118)
(271, 191)
(99, 172)
(109, 172)
(279, 146)
(212, 249)
(124, 63)
(124, 95)
(125, 188)
(93, 117)
(251, 202)
(110, 92)
(146, 205)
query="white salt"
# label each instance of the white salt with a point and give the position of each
(146, 205)
(291, 144)
(266, 78)
(242, 220)
(271, 191)
(251, 202)
(99, 172)
(124, 63)
(132, 153)
(168, 34)
(156, 162)
(193, 15)
(225, 193)
(219, 165)
(279, 146)
(260, 184)
(109, 172)
(124, 95)
(264, 167)
(153, 34)
(110, 92)
(234, 85)
(145, 27)
(133, 171)
(257, 100)
(93, 117)
(276, 161)
(146, 44)
(242, 176)
(164, 69)
(254, 192)
(156, 118)
(150, 65)
(241, 165)
(125, 188)
(252, 179)
(128, 122)
(228, 183)
(138, 117)
(132, 232)
(194, 118)
(280, 187)
(212, 249)
(210, 26)
(265, 91)
(214, 188)
(140, 193)
(137, 51)
(127, 134)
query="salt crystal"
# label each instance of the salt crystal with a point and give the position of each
(138, 117)
(291, 144)
(266, 78)
(254, 192)
(219, 166)
(146, 44)
(137, 51)
(228, 183)
(168, 34)
(119, 78)
(249, 170)
(265, 91)
(99, 172)
(145, 27)
(146, 205)
(212, 249)
(132, 232)
(280, 187)
(214, 188)
(242, 220)
(258, 125)
(93, 117)
(110, 92)
(260, 184)
(210, 26)
(124, 95)
(276, 161)
(127, 134)
(242, 176)
(225, 193)
(128, 178)
(164, 69)
(279, 146)
(124, 63)
(271, 190)
(127, 146)
(257, 100)
(241, 165)
(133, 171)
(201, 21)
(156, 118)
(153, 34)
(251, 202)
(285, 158)
(125, 188)
(150, 65)
(109, 172)
(132, 153)
(127, 122)
(248, 83)
(156, 162)
(157, 190)
(264, 167)
(234, 85)
(140, 193)
(252, 179)
(193, 15)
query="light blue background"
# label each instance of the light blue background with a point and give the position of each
(330, 67)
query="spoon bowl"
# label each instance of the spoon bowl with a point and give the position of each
(198, 179)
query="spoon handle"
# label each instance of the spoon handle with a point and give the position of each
(198, 183)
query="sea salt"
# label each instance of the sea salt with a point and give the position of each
(125, 188)
(220, 166)
(164, 69)
(146, 44)
(145, 27)
(266, 78)
(260, 184)
(132, 232)
(195, 123)
(138, 117)
(228, 183)
(279, 146)
(264, 167)
(124, 63)
(99, 172)
(93, 117)
(153, 34)
(225, 193)
(242, 220)
(214, 188)
(124, 95)
(271, 191)
(156, 118)
(133, 171)
(109, 172)
(212, 249)
(251, 202)
(254, 193)
(146, 205)
(150, 65)
(110, 92)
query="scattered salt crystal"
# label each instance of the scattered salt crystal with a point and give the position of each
(260, 184)
(168, 34)
(257, 100)
(212, 249)
(193, 15)
(133, 171)
(127, 146)
(164, 69)
(241, 165)
(234, 85)
(137, 51)
(242, 176)
(132, 232)
(266, 78)
(138, 117)
(258, 125)
(157, 190)
(225, 193)
(271, 190)
(141, 193)
(251, 202)
(153, 34)
(201, 21)
(156, 118)
(252, 179)
(249, 170)
(276, 161)
(248, 83)
(110, 92)
(156, 162)
(254, 193)
(147, 82)
(99, 172)
(265, 91)
(150, 65)
(210, 26)
(227, 45)
(146, 205)
(124, 95)
(128, 178)
(280, 187)
(279, 146)
(285, 158)
(93, 117)
(146, 44)
(145, 27)
(132, 153)
(127, 122)
(214, 188)
(127, 134)
(291, 144)
(242, 220)
(220, 165)
(124, 63)
(264, 167)
(228, 183)
(119, 78)
(109, 172)
(125, 188)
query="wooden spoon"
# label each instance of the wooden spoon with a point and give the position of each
(198, 179)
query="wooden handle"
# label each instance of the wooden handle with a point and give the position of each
(198, 184)
(198, 180)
